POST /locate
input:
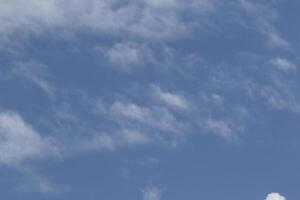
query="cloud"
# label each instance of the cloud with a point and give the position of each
(130, 137)
(275, 196)
(110, 141)
(127, 55)
(217, 99)
(153, 117)
(19, 142)
(147, 18)
(263, 18)
(219, 127)
(283, 64)
(31, 181)
(97, 142)
(281, 100)
(35, 72)
(171, 99)
(131, 111)
(151, 193)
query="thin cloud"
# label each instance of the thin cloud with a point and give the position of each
(219, 127)
(155, 117)
(263, 17)
(35, 72)
(283, 64)
(171, 99)
(151, 193)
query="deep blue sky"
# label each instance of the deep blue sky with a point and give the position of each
(149, 99)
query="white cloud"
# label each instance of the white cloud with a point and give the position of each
(171, 99)
(283, 64)
(127, 55)
(275, 196)
(131, 111)
(264, 17)
(279, 102)
(36, 73)
(111, 141)
(281, 95)
(157, 118)
(151, 193)
(141, 18)
(20, 142)
(130, 137)
(220, 128)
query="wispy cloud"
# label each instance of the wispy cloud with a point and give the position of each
(283, 64)
(109, 141)
(156, 117)
(264, 17)
(20, 142)
(35, 72)
(151, 193)
(170, 99)
(221, 128)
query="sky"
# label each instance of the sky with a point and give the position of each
(149, 99)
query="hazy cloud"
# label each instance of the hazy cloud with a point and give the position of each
(151, 193)
(219, 127)
(263, 17)
(283, 64)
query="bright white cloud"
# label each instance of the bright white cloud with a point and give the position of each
(275, 196)
(171, 99)
(20, 142)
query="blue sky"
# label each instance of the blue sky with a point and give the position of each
(149, 99)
